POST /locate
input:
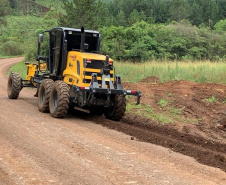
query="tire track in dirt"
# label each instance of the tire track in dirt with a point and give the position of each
(205, 151)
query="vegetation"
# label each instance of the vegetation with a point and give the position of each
(211, 99)
(132, 30)
(175, 41)
(199, 71)
(202, 71)
(4, 10)
(168, 116)
(88, 14)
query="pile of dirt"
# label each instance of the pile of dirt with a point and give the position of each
(203, 104)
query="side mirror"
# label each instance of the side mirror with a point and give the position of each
(86, 46)
(40, 39)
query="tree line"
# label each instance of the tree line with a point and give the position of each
(153, 29)
(138, 30)
(127, 12)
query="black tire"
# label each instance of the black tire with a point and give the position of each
(14, 85)
(59, 99)
(44, 94)
(118, 110)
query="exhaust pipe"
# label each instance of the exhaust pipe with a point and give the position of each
(82, 39)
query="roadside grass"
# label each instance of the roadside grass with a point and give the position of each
(196, 71)
(206, 71)
(20, 68)
(167, 116)
(3, 56)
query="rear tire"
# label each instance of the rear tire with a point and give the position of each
(44, 94)
(14, 85)
(59, 99)
(118, 110)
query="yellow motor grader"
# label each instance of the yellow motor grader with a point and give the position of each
(72, 74)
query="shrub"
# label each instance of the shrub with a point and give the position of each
(12, 48)
(31, 53)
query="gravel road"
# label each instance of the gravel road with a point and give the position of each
(38, 149)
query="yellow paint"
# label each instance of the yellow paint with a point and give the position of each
(31, 68)
(71, 75)
(43, 67)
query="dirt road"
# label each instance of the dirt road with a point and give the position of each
(38, 149)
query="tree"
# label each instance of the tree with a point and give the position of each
(197, 13)
(4, 10)
(134, 17)
(179, 10)
(86, 13)
(121, 18)
(221, 25)
(161, 10)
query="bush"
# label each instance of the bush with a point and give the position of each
(12, 48)
(31, 53)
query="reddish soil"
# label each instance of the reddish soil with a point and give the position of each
(203, 138)
(38, 149)
(190, 97)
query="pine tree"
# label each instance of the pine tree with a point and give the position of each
(134, 17)
(81, 13)
(121, 19)
(179, 10)
(196, 16)
(4, 10)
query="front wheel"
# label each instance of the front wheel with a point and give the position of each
(118, 110)
(14, 85)
(44, 94)
(59, 99)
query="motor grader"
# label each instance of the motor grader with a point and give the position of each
(70, 73)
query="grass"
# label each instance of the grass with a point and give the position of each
(211, 99)
(3, 56)
(149, 112)
(206, 71)
(20, 68)
(169, 115)
(162, 102)
(200, 71)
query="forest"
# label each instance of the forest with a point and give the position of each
(131, 30)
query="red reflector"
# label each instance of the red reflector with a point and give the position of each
(111, 62)
(133, 92)
(82, 87)
(88, 60)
